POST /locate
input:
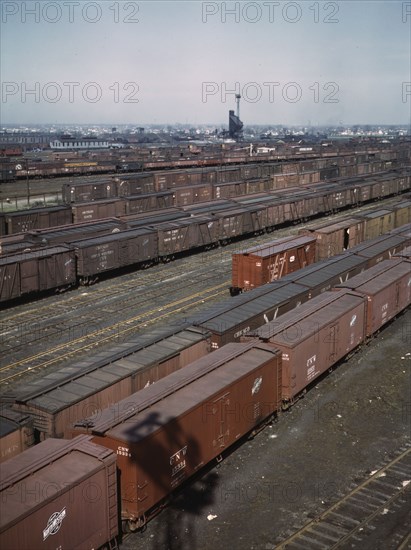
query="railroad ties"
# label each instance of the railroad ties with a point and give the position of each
(347, 522)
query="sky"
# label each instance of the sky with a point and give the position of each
(294, 63)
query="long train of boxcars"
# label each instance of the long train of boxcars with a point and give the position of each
(113, 162)
(270, 261)
(281, 175)
(89, 202)
(162, 237)
(96, 382)
(163, 435)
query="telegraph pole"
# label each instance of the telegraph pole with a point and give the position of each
(27, 181)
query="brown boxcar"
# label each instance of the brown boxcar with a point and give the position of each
(147, 203)
(276, 209)
(59, 494)
(404, 253)
(322, 276)
(34, 271)
(258, 185)
(402, 212)
(335, 237)
(75, 231)
(387, 287)
(173, 436)
(381, 248)
(157, 216)
(87, 389)
(96, 210)
(16, 432)
(185, 234)
(137, 184)
(377, 223)
(192, 194)
(85, 192)
(228, 321)
(37, 218)
(312, 340)
(114, 251)
(269, 262)
(12, 244)
(225, 175)
(229, 189)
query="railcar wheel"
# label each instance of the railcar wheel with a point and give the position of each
(132, 525)
(125, 526)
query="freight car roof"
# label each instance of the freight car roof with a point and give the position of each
(85, 229)
(152, 218)
(35, 458)
(102, 181)
(38, 391)
(333, 226)
(319, 273)
(29, 211)
(128, 407)
(55, 464)
(209, 207)
(176, 404)
(225, 319)
(58, 398)
(328, 301)
(314, 320)
(278, 246)
(40, 253)
(371, 273)
(404, 253)
(120, 236)
(371, 249)
(11, 420)
(376, 214)
(386, 277)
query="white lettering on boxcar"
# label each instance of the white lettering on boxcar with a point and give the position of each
(257, 385)
(123, 451)
(353, 320)
(178, 462)
(311, 367)
(311, 360)
(54, 523)
(241, 332)
(177, 457)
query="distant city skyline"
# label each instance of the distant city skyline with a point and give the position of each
(294, 63)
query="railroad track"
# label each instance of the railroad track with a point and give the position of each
(116, 287)
(71, 325)
(97, 308)
(344, 525)
(113, 333)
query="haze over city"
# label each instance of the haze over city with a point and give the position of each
(294, 63)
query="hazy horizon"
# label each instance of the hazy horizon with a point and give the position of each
(294, 63)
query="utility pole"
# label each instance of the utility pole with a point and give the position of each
(27, 181)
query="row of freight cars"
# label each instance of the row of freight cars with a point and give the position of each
(293, 203)
(58, 258)
(82, 388)
(135, 453)
(144, 159)
(274, 175)
(270, 261)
